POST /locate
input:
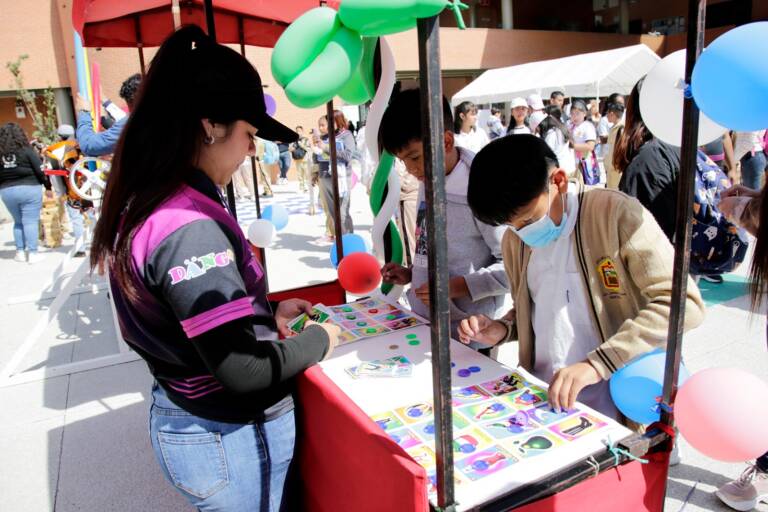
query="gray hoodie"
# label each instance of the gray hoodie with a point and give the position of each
(474, 252)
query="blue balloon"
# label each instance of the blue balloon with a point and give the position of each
(730, 79)
(637, 388)
(352, 242)
(277, 215)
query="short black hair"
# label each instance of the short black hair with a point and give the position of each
(401, 123)
(496, 192)
(616, 108)
(130, 88)
(556, 93)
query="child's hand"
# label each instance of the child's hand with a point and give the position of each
(568, 382)
(482, 329)
(289, 309)
(392, 273)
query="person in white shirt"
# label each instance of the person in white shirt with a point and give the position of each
(519, 123)
(465, 127)
(557, 137)
(537, 114)
(584, 139)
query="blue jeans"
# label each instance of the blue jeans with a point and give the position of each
(285, 163)
(222, 466)
(752, 170)
(24, 203)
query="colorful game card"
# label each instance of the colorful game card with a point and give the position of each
(508, 384)
(485, 462)
(404, 438)
(459, 421)
(545, 415)
(432, 481)
(470, 441)
(515, 425)
(577, 426)
(342, 309)
(486, 411)
(536, 443)
(426, 430)
(423, 455)
(387, 421)
(391, 315)
(466, 396)
(530, 395)
(403, 323)
(319, 314)
(348, 317)
(362, 305)
(415, 413)
(356, 324)
(346, 337)
(373, 330)
(393, 367)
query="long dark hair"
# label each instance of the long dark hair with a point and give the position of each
(158, 147)
(633, 135)
(759, 271)
(462, 108)
(553, 122)
(12, 138)
(340, 122)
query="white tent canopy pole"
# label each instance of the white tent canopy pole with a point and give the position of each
(582, 75)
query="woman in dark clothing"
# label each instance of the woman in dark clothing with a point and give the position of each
(190, 297)
(20, 180)
(648, 166)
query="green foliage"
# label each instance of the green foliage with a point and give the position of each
(45, 121)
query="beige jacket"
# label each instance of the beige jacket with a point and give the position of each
(626, 262)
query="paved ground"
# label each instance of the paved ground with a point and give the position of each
(79, 442)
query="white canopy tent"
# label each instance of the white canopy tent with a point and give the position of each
(587, 75)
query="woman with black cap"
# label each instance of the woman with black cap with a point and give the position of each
(191, 299)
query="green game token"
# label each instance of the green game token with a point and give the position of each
(362, 324)
(347, 309)
(414, 342)
(391, 317)
(370, 330)
(351, 317)
(411, 336)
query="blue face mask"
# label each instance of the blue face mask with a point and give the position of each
(542, 232)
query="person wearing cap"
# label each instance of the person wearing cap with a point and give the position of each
(520, 123)
(466, 133)
(537, 114)
(190, 297)
(104, 143)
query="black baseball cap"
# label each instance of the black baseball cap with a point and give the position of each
(228, 88)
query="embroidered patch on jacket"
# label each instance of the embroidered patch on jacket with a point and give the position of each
(199, 265)
(608, 274)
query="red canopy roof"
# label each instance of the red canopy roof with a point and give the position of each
(128, 23)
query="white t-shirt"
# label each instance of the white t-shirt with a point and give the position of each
(583, 132)
(556, 141)
(604, 127)
(517, 130)
(562, 322)
(474, 141)
(536, 117)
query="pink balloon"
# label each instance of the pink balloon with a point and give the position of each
(723, 413)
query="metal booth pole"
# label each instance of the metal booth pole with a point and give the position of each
(335, 179)
(683, 226)
(262, 251)
(140, 46)
(432, 131)
(211, 26)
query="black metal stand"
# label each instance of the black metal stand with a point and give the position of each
(434, 167)
(335, 179)
(211, 25)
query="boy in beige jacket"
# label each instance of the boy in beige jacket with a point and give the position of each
(590, 272)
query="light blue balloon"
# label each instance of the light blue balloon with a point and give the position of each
(730, 79)
(352, 242)
(277, 215)
(637, 388)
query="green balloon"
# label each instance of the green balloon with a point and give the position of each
(361, 87)
(302, 42)
(382, 17)
(538, 443)
(319, 82)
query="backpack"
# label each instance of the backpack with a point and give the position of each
(298, 152)
(271, 152)
(717, 245)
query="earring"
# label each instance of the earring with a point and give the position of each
(209, 139)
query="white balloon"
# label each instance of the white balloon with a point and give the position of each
(261, 232)
(661, 103)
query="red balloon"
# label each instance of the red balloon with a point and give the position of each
(359, 273)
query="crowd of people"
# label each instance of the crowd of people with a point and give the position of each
(534, 213)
